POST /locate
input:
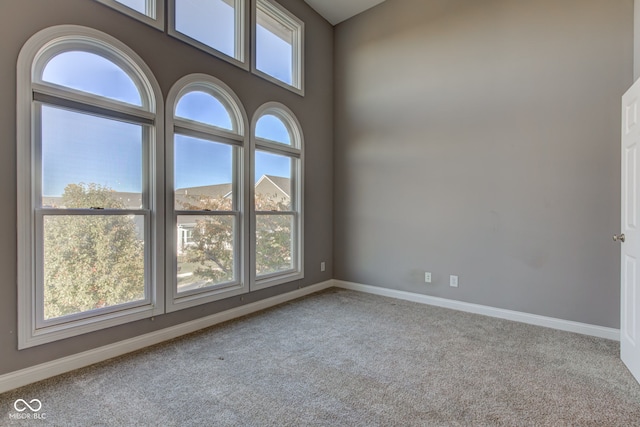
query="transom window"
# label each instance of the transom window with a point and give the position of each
(215, 26)
(277, 219)
(86, 184)
(140, 6)
(150, 12)
(206, 181)
(278, 46)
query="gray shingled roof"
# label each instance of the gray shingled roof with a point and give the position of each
(283, 183)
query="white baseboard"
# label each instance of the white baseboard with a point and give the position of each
(533, 319)
(40, 372)
(46, 370)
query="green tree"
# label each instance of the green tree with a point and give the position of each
(273, 235)
(209, 256)
(91, 261)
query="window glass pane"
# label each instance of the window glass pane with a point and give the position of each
(272, 128)
(93, 74)
(205, 108)
(92, 262)
(203, 174)
(273, 182)
(211, 22)
(274, 48)
(274, 243)
(137, 5)
(82, 153)
(205, 251)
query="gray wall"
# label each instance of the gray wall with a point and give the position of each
(482, 138)
(169, 59)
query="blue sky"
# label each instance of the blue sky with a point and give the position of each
(209, 22)
(112, 155)
(212, 22)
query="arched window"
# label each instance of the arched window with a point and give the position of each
(277, 162)
(89, 120)
(204, 180)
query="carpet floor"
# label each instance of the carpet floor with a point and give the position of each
(344, 358)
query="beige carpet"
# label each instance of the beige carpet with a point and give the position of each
(343, 358)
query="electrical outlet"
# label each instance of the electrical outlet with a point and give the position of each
(453, 281)
(427, 277)
(323, 267)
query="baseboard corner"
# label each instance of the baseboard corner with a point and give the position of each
(516, 316)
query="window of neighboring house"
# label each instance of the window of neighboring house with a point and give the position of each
(150, 12)
(215, 26)
(89, 119)
(277, 241)
(278, 46)
(206, 139)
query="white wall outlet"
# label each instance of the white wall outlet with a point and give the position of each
(427, 277)
(453, 281)
(323, 266)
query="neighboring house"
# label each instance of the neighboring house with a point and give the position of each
(275, 188)
(191, 195)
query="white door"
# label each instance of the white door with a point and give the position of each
(630, 237)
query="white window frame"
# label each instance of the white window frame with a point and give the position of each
(287, 19)
(154, 15)
(237, 138)
(293, 151)
(241, 41)
(31, 61)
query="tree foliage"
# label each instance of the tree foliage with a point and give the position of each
(273, 236)
(90, 261)
(211, 247)
(95, 261)
(210, 251)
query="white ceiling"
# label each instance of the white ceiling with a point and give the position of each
(336, 11)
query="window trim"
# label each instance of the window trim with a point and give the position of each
(238, 139)
(295, 151)
(42, 45)
(289, 20)
(154, 16)
(241, 43)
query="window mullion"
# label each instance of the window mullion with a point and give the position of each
(276, 212)
(205, 132)
(276, 148)
(206, 212)
(76, 100)
(89, 211)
